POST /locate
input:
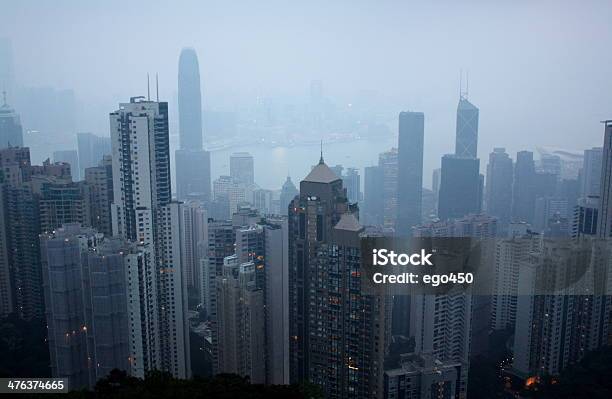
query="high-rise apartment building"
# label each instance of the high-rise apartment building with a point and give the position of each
(344, 358)
(84, 277)
(99, 180)
(409, 171)
(143, 213)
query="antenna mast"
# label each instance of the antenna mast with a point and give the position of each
(148, 88)
(156, 86)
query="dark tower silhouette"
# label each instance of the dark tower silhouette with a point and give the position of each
(409, 171)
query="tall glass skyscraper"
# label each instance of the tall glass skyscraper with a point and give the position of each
(466, 140)
(409, 171)
(192, 161)
(189, 101)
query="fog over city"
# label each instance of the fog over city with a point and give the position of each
(538, 70)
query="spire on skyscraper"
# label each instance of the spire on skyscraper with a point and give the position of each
(321, 161)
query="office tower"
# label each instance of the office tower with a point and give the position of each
(11, 132)
(604, 225)
(143, 213)
(388, 162)
(584, 222)
(324, 252)
(423, 376)
(276, 266)
(263, 201)
(7, 74)
(192, 161)
(373, 199)
(352, 182)
(409, 171)
(524, 187)
(70, 157)
(88, 338)
(189, 101)
(466, 139)
(193, 174)
(591, 172)
(460, 187)
(557, 324)
(92, 150)
(288, 193)
(194, 243)
(232, 192)
(241, 321)
(499, 186)
(99, 180)
(509, 253)
(241, 168)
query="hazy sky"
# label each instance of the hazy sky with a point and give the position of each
(540, 71)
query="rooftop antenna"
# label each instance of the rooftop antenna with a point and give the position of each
(321, 160)
(460, 81)
(148, 88)
(4, 97)
(156, 86)
(467, 83)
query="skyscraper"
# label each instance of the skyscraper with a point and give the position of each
(409, 171)
(7, 78)
(288, 193)
(11, 132)
(524, 188)
(241, 167)
(604, 228)
(372, 213)
(466, 139)
(92, 149)
(192, 161)
(90, 337)
(352, 182)
(499, 186)
(144, 213)
(99, 180)
(193, 174)
(460, 187)
(324, 253)
(387, 162)
(591, 172)
(189, 101)
(241, 321)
